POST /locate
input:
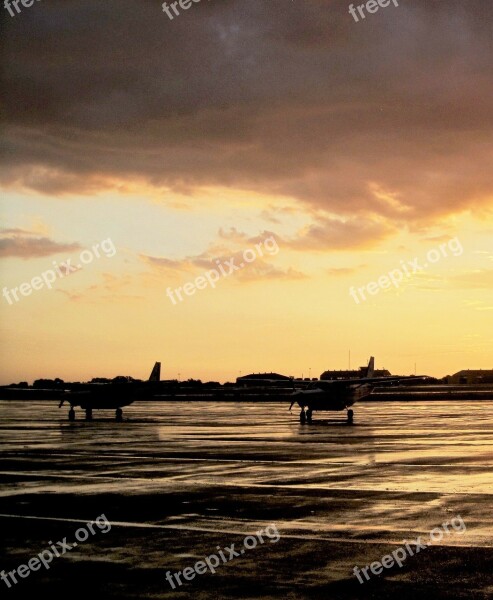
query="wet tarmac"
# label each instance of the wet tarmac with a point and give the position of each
(177, 482)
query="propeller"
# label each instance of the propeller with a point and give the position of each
(64, 397)
(294, 401)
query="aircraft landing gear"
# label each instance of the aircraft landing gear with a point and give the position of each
(350, 416)
(119, 415)
(71, 415)
(309, 414)
(88, 414)
(302, 416)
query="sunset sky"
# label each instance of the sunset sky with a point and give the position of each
(354, 146)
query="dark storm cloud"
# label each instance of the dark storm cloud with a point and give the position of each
(389, 117)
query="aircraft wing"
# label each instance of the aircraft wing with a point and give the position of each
(391, 379)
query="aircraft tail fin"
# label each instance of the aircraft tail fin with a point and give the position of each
(156, 372)
(371, 367)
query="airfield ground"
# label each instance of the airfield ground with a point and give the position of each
(177, 481)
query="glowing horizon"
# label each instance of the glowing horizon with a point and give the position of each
(357, 147)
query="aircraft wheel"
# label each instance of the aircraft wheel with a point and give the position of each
(119, 414)
(302, 417)
(309, 414)
(71, 415)
(350, 416)
(88, 414)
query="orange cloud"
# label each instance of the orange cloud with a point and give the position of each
(19, 243)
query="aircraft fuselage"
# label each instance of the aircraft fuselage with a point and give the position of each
(338, 397)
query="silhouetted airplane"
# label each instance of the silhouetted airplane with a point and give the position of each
(340, 394)
(110, 395)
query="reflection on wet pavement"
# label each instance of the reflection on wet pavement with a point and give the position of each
(209, 469)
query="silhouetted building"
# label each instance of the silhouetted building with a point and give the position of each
(48, 384)
(471, 376)
(331, 375)
(264, 379)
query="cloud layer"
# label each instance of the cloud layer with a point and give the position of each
(19, 243)
(384, 119)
